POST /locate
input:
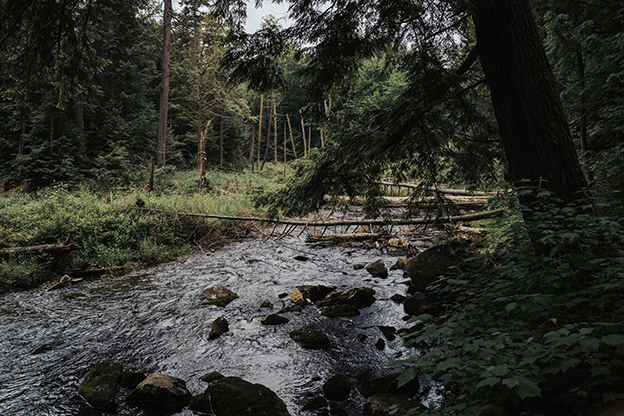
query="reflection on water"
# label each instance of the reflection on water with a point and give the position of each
(152, 319)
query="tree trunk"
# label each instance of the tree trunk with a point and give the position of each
(200, 116)
(583, 122)
(274, 128)
(202, 162)
(292, 139)
(164, 93)
(20, 144)
(251, 146)
(305, 142)
(535, 134)
(221, 127)
(259, 132)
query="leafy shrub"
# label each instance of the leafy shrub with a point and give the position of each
(533, 335)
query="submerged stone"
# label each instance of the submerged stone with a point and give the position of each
(310, 338)
(218, 295)
(316, 403)
(99, 387)
(159, 392)
(233, 396)
(338, 311)
(213, 376)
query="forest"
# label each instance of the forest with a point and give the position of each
(105, 105)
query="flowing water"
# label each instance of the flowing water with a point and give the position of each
(153, 319)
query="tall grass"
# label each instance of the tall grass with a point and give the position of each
(111, 232)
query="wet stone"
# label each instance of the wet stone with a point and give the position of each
(388, 332)
(316, 403)
(310, 338)
(160, 392)
(358, 266)
(380, 344)
(386, 404)
(132, 377)
(99, 387)
(274, 319)
(338, 387)
(219, 327)
(218, 295)
(210, 377)
(377, 269)
(266, 304)
(397, 298)
(338, 311)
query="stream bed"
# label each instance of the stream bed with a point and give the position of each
(153, 319)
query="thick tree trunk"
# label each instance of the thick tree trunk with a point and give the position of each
(530, 116)
(164, 93)
(532, 124)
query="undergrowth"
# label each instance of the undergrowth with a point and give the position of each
(112, 232)
(527, 334)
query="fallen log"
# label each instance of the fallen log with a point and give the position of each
(341, 238)
(53, 249)
(446, 191)
(303, 223)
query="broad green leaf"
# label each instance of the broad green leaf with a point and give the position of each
(613, 339)
(489, 382)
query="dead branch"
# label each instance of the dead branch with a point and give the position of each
(53, 249)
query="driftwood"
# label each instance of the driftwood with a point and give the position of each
(334, 223)
(446, 191)
(39, 249)
(459, 202)
(75, 273)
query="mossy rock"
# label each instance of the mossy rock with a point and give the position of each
(316, 403)
(219, 327)
(274, 319)
(385, 404)
(305, 294)
(99, 387)
(338, 311)
(310, 338)
(218, 295)
(209, 378)
(132, 377)
(233, 396)
(359, 297)
(160, 393)
(338, 387)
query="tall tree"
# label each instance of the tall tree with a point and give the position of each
(164, 92)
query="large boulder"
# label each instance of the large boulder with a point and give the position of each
(338, 387)
(159, 392)
(310, 338)
(99, 386)
(359, 297)
(233, 396)
(377, 269)
(305, 294)
(218, 295)
(428, 265)
(385, 404)
(419, 304)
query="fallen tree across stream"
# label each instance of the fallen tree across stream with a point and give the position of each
(52, 249)
(333, 223)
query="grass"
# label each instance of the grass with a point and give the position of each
(105, 223)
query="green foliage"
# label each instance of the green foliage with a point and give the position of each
(533, 335)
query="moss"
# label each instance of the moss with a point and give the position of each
(213, 376)
(99, 387)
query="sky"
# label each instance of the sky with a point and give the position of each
(254, 16)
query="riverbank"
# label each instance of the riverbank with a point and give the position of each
(109, 230)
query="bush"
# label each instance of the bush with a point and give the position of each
(533, 335)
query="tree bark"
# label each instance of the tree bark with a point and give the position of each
(259, 132)
(221, 128)
(292, 139)
(275, 128)
(535, 133)
(164, 93)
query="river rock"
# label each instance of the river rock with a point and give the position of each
(378, 269)
(319, 402)
(210, 377)
(396, 245)
(397, 298)
(385, 404)
(388, 332)
(338, 387)
(159, 392)
(302, 295)
(419, 304)
(99, 387)
(274, 319)
(266, 304)
(310, 338)
(338, 311)
(360, 297)
(428, 265)
(218, 295)
(233, 396)
(219, 327)
(388, 384)
(132, 377)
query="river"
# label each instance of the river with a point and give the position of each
(153, 319)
